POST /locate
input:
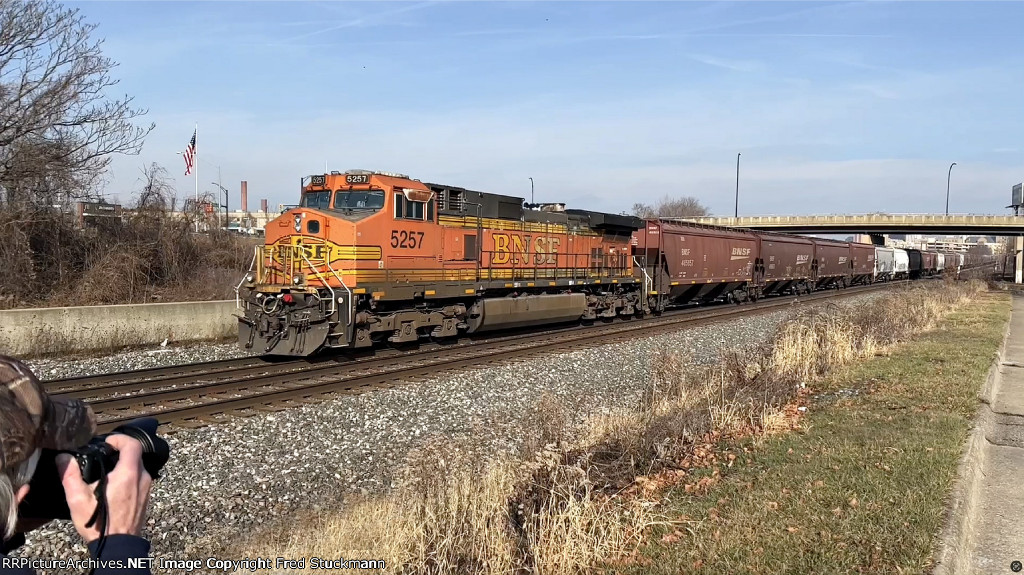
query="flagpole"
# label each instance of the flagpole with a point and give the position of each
(195, 153)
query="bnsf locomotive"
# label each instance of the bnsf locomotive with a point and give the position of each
(375, 256)
(372, 256)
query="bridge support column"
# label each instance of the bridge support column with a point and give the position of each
(1018, 259)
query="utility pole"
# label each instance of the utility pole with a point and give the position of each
(737, 213)
(948, 174)
(227, 213)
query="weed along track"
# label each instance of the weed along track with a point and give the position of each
(198, 394)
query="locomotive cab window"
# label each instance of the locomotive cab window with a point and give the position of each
(409, 210)
(317, 200)
(359, 200)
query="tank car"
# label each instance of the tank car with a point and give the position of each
(375, 256)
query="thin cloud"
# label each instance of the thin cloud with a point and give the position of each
(773, 18)
(733, 65)
(877, 91)
(362, 21)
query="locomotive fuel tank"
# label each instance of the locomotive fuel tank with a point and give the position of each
(512, 312)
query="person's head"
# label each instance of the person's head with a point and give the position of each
(30, 420)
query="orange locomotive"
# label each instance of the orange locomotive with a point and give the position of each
(371, 256)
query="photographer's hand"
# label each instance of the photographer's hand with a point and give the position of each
(127, 491)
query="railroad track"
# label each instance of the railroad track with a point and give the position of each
(194, 395)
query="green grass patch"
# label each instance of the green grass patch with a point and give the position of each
(863, 486)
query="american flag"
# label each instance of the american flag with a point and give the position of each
(189, 153)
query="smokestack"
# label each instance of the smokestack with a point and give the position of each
(245, 197)
(263, 205)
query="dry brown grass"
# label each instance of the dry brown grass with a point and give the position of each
(503, 516)
(566, 507)
(148, 256)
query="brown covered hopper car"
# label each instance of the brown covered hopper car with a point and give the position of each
(831, 263)
(863, 258)
(928, 263)
(690, 262)
(786, 263)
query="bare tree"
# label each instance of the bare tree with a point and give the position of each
(58, 129)
(669, 207)
(980, 250)
(157, 192)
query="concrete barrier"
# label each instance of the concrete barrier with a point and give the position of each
(36, 331)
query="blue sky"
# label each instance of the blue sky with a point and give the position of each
(835, 106)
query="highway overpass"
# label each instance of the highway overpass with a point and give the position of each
(969, 224)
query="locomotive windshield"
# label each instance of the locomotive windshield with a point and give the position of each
(359, 200)
(317, 200)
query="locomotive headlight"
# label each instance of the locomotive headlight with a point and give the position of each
(298, 279)
(298, 223)
(250, 278)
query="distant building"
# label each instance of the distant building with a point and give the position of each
(90, 213)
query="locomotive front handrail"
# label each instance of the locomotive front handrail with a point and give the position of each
(238, 299)
(323, 281)
(348, 291)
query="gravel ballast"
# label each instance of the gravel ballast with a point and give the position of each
(225, 480)
(131, 359)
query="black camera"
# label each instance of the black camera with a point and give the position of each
(95, 459)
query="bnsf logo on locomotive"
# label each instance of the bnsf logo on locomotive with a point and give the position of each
(317, 251)
(512, 248)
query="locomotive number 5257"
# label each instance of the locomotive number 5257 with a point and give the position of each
(404, 239)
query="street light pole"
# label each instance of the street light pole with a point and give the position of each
(531, 191)
(737, 213)
(948, 174)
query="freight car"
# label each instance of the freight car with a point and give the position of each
(376, 256)
(901, 264)
(862, 263)
(831, 263)
(885, 264)
(929, 262)
(786, 261)
(685, 263)
(914, 263)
